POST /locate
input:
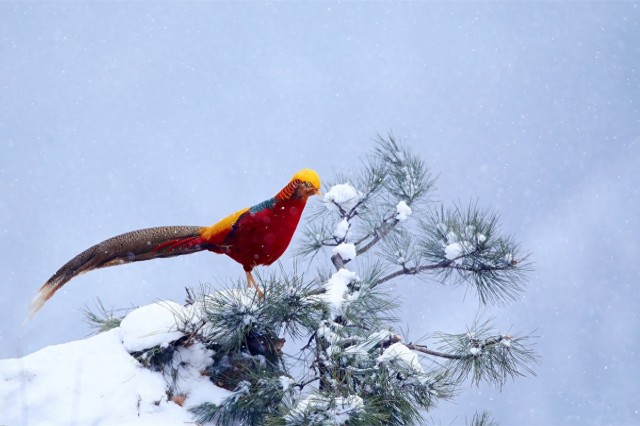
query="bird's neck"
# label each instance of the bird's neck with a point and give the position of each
(290, 192)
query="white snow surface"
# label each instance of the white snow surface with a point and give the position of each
(97, 382)
(343, 194)
(347, 251)
(151, 325)
(404, 211)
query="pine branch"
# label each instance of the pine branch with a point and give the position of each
(378, 234)
(483, 419)
(488, 356)
(423, 349)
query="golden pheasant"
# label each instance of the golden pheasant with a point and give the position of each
(252, 236)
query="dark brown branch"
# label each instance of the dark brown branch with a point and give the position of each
(425, 350)
(494, 341)
(343, 213)
(411, 271)
(444, 264)
(303, 384)
(338, 261)
(308, 345)
(378, 234)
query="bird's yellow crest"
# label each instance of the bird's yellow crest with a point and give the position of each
(308, 175)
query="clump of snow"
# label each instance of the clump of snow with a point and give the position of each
(347, 251)
(344, 195)
(96, 381)
(475, 350)
(455, 251)
(403, 355)
(342, 228)
(151, 325)
(337, 290)
(481, 238)
(404, 211)
(373, 341)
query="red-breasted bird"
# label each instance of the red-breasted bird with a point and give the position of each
(252, 236)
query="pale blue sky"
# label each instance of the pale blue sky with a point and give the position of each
(118, 116)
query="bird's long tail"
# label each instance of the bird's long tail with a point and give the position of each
(143, 244)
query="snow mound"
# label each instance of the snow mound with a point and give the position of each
(97, 382)
(151, 325)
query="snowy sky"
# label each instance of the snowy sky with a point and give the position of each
(118, 117)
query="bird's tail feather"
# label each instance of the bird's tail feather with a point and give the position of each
(143, 244)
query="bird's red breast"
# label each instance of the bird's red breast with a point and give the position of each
(261, 237)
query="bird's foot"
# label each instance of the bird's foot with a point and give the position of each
(252, 282)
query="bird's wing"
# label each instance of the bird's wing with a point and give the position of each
(217, 233)
(143, 244)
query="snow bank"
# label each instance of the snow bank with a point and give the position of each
(96, 381)
(151, 325)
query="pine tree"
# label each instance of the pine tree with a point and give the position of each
(346, 362)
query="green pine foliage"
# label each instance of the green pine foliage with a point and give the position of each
(324, 347)
(101, 319)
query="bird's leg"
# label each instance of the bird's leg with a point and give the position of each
(252, 282)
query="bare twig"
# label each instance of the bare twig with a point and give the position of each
(379, 233)
(411, 271)
(305, 383)
(308, 345)
(451, 264)
(425, 350)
